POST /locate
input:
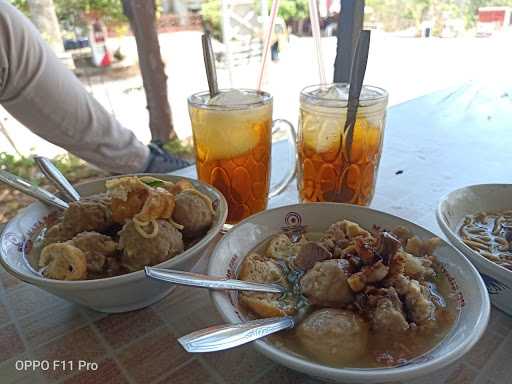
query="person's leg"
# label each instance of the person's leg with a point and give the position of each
(48, 99)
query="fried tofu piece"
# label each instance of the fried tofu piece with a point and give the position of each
(262, 269)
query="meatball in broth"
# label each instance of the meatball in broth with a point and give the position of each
(326, 284)
(362, 299)
(334, 336)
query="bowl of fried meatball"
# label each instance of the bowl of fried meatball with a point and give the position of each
(374, 298)
(93, 253)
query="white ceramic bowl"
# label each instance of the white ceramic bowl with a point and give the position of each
(469, 200)
(465, 280)
(115, 294)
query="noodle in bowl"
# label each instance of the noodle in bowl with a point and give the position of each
(472, 200)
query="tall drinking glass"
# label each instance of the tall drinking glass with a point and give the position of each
(330, 169)
(233, 141)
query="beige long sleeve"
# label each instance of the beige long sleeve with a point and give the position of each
(46, 97)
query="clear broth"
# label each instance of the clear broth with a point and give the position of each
(386, 349)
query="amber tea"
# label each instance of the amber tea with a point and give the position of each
(232, 139)
(328, 169)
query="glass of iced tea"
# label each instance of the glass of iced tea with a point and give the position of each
(330, 169)
(233, 141)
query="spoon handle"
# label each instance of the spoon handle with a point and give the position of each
(25, 187)
(220, 337)
(57, 178)
(211, 282)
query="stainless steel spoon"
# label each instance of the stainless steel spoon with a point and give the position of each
(220, 337)
(211, 282)
(57, 178)
(34, 191)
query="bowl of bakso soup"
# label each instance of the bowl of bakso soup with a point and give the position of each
(94, 252)
(376, 298)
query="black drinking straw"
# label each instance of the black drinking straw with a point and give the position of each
(209, 64)
(355, 87)
(350, 24)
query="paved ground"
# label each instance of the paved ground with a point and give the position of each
(406, 67)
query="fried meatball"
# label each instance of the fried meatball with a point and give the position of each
(334, 336)
(139, 251)
(63, 261)
(113, 267)
(96, 248)
(264, 270)
(57, 234)
(193, 212)
(92, 213)
(144, 199)
(326, 284)
(87, 215)
(124, 210)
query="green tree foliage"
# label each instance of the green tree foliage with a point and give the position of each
(22, 5)
(68, 11)
(394, 14)
(384, 11)
(210, 9)
(293, 9)
(399, 14)
(108, 10)
(417, 10)
(289, 10)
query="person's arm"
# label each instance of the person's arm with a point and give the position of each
(46, 97)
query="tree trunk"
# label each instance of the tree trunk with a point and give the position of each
(42, 13)
(141, 14)
(300, 27)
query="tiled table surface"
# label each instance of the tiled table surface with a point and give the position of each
(439, 142)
